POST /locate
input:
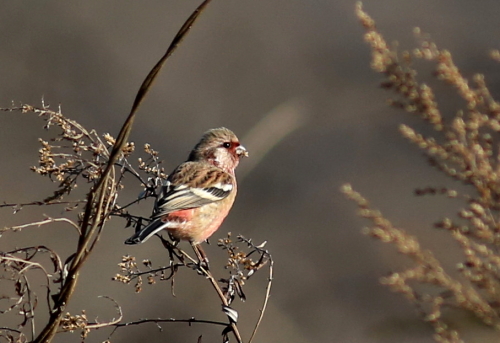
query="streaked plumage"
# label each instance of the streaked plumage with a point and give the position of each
(199, 193)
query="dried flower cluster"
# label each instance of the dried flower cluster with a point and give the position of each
(466, 149)
(241, 264)
(75, 153)
(71, 323)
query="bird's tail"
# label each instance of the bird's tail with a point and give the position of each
(145, 233)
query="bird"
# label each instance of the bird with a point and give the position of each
(199, 193)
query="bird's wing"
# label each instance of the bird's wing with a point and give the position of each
(191, 185)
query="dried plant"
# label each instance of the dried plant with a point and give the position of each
(465, 148)
(79, 160)
(244, 259)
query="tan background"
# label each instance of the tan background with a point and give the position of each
(242, 60)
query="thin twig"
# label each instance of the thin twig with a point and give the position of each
(169, 320)
(164, 320)
(113, 322)
(41, 203)
(43, 222)
(266, 299)
(31, 306)
(29, 264)
(152, 271)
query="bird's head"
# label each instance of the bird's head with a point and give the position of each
(219, 147)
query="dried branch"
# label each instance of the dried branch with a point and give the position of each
(42, 222)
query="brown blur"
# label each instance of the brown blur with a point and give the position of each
(294, 70)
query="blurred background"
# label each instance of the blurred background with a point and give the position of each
(260, 68)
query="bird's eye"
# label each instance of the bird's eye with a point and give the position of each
(226, 145)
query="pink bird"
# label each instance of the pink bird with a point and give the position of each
(199, 193)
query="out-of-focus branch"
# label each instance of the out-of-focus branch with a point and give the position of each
(270, 130)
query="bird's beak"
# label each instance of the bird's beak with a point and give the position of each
(241, 151)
